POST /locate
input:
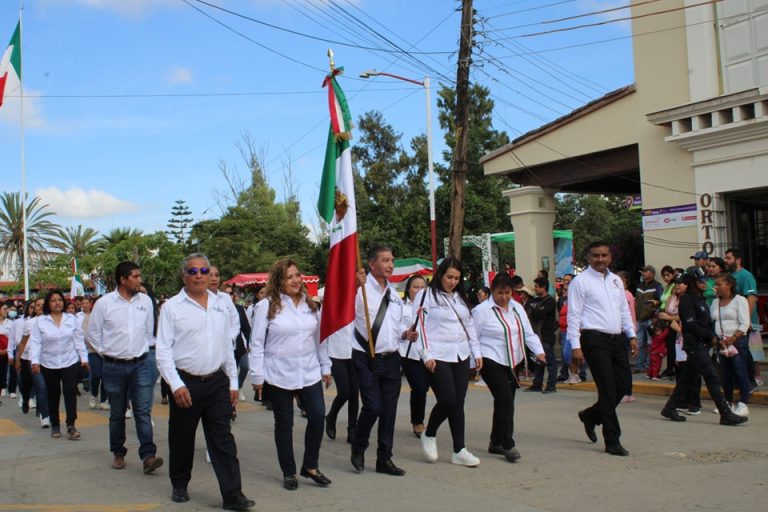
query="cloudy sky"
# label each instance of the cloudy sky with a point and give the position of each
(132, 104)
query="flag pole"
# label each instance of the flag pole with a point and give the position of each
(371, 348)
(25, 246)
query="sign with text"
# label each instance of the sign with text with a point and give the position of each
(672, 217)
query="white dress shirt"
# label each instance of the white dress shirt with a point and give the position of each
(596, 302)
(441, 335)
(195, 339)
(234, 317)
(408, 317)
(57, 346)
(119, 328)
(24, 329)
(388, 339)
(14, 337)
(6, 327)
(340, 343)
(501, 332)
(286, 350)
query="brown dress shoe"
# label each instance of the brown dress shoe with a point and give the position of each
(118, 462)
(151, 463)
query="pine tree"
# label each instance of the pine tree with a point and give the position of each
(180, 222)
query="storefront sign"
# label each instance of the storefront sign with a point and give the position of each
(672, 217)
(705, 207)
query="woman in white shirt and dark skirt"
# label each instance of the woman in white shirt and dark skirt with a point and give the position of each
(447, 341)
(415, 372)
(57, 350)
(504, 331)
(287, 354)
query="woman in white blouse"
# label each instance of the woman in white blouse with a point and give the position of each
(730, 312)
(57, 350)
(504, 331)
(415, 372)
(447, 341)
(286, 353)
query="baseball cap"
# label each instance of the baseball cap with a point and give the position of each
(700, 255)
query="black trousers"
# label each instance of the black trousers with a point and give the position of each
(282, 406)
(609, 364)
(550, 366)
(449, 382)
(692, 395)
(58, 380)
(347, 390)
(379, 391)
(699, 364)
(503, 386)
(211, 404)
(418, 380)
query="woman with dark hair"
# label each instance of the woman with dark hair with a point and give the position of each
(286, 352)
(715, 267)
(447, 341)
(730, 313)
(504, 332)
(415, 373)
(29, 382)
(697, 341)
(57, 350)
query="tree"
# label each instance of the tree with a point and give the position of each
(117, 235)
(41, 232)
(77, 242)
(180, 222)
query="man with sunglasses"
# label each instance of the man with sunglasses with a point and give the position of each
(195, 357)
(119, 328)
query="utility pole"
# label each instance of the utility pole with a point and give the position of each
(460, 164)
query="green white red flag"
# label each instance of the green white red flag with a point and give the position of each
(10, 66)
(336, 205)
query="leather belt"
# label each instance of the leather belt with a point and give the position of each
(387, 355)
(599, 334)
(132, 360)
(200, 378)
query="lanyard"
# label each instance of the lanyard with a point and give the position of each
(507, 330)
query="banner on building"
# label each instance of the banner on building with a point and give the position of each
(681, 216)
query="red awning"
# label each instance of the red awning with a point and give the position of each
(260, 278)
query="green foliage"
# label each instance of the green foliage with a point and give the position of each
(254, 232)
(180, 222)
(602, 217)
(40, 230)
(56, 274)
(77, 242)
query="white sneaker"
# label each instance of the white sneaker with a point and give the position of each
(574, 379)
(92, 402)
(13, 395)
(128, 414)
(207, 457)
(104, 406)
(21, 402)
(45, 422)
(740, 409)
(242, 396)
(4, 393)
(429, 447)
(152, 420)
(464, 458)
(480, 383)
(33, 403)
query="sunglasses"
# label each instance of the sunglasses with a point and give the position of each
(192, 271)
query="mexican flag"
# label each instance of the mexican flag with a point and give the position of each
(336, 205)
(10, 66)
(407, 267)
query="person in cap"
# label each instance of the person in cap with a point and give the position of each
(701, 259)
(647, 299)
(698, 336)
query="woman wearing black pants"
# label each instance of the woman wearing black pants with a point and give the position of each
(347, 388)
(447, 341)
(503, 331)
(286, 352)
(57, 350)
(415, 372)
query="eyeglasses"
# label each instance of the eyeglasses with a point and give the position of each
(192, 271)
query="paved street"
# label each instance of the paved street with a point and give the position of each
(697, 465)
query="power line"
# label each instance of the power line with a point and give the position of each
(302, 34)
(198, 94)
(533, 8)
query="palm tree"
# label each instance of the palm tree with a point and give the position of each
(76, 242)
(117, 235)
(41, 232)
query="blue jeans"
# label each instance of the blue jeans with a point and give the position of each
(96, 366)
(134, 381)
(643, 345)
(243, 366)
(735, 371)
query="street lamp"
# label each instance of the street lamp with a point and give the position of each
(432, 222)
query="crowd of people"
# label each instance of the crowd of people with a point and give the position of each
(203, 344)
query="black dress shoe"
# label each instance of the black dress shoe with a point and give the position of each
(180, 495)
(616, 449)
(732, 419)
(388, 468)
(672, 415)
(330, 427)
(290, 482)
(512, 455)
(589, 427)
(532, 388)
(357, 459)
(317, 476)
(238, 501)
(549, 390)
